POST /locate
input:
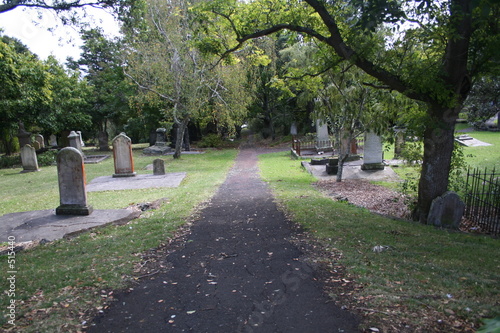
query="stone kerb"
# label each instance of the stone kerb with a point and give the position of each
(71, 177)
(29, 159)
(122, 154)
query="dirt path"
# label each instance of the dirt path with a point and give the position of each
(236, 272)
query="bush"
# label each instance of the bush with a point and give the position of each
(10, 161)
(210, 141)
(47, 158)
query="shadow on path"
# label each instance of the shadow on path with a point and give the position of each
(236, 272)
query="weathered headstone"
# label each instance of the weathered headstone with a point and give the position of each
(53, 140)
(446, 211)
(39, 138)
(122, 154)
(158, 167)
(322, 136)
(23, 136)
(293, 129)
(28, 159)
(373, 152)
(74, 141)
(36, 145)
(71, 176)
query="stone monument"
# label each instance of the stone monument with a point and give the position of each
(82, 144)
(23, 136)
(322, 137)
(122, 154)
(373, 152)
(71, 176)
(158, 167)
(28, 159)
(53, 140)
(74, 141)
(161, 146)
(39, 138)
(446, 211)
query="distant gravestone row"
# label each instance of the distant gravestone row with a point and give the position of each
(71, 171)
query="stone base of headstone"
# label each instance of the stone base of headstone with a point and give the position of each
(30, 170)
(74, 210)
(157, 150)
(446, 211)
(129, 174)
(373, 166)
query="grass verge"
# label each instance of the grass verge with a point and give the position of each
(61, 284)
(430, 280)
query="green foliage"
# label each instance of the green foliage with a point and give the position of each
(483, 101)
(412, 152)
(10, 161)
(210, 141)
(458, 170)
(47, 158)
(490, 326)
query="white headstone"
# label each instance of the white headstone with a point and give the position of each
(74, 141)
(82, 144)
(322, 131)
(53, 140)
(71, 176)
(373, 152)
(28, 159)
(122, 153)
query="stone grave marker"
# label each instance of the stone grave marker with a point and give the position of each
(53, 140)
(158, 167)
(82, 144)
(23, 136)
(74, 141)
(373, 152)
(36, 145)
(322, 137)
(160, 147)
(446, 211)
(122, 154)
(29, 159)
(71, 176)
(39, 138)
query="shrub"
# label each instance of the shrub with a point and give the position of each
(47, 158)
(10, 161)
(210, 141)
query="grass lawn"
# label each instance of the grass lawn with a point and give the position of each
(430, 280)
(68, 280)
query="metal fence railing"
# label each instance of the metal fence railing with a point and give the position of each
(482, 199)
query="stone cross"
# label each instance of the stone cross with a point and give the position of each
(158, 167)
(373, 152)
(71, 176)
(28, 159)
(40, 140)
(122, 154)
(74, 141)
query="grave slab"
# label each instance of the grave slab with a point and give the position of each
(45, 224)
(109, 183)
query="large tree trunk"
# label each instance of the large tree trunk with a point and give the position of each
(438, 148)
(179, 139)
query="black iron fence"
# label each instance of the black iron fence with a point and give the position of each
(482, 200)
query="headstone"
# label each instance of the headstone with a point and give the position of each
(36, 145)
(53, 140)
(161, 146)
(322, 136)
(74, 141)
(71, 176)
(446, 211)
(158, 167)
(293, 129)
(103, 141)
(122, 154)
(23, 136)
(82, 144)
(28, 159)
(373, 152)
(40, 140)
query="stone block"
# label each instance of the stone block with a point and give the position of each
(446, 211)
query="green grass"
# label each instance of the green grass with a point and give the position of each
(429, 271)
(65, 278)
